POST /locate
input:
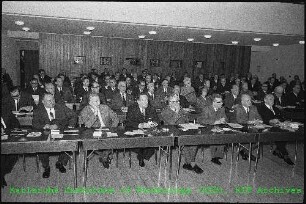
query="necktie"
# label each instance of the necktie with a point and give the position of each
(272, 110)
(3, 123)
(123, 100)
(143, 111)
(153, 96)
(16, 104)
(51, 115)
(100, 119)
(165, 90)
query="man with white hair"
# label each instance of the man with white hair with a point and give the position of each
(173, 114)
(271, 115)
(188, 91)
(279, 98)
(96, 115)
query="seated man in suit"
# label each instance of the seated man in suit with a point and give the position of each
(262, 92)
(202, 101)
(188, 91)
(245, 90)
(296, 97)
(35, 91)
(223, 87)
(183, 101)
(18, 100)
(173, 114)
(152, 96)
(62, 92)
(163, 93)
(8, 122)
(140, 88)
(142, 115)
(96, 115)
(230, 102)
(43, 77)
(272, 115)
(50, 88)
(280, 101)
(121, 100)
(95, 89)
(81, 90)
(112, 89)
(214, 115)
(51, 116)
(246, 113)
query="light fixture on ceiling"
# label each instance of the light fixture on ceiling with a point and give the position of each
(302, 42)
(152, 32)
(141, 36)
(207, 36)
(25, 28)
(234, 42)
(257, 39)
(90, 28)
(87, 32)
(19, 23)
(275, 44)
(190, 39)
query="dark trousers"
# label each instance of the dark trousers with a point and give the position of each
(7, 163)
(281, 146)
(44, 158)
(144, 153)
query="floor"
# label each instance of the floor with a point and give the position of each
(229, 182)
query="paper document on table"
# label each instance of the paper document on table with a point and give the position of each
(97, 134)
(235, 125)
(34, 134)
(262, 126)
(135, 132)
(110, 134)
(190, 126)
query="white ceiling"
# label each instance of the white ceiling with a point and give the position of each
(274, 22)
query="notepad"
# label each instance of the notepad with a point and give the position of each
(190, 126)
(4, 137)
(34, 134)
(110, 134)
(135, 132)
(97, 134)
(235, 125)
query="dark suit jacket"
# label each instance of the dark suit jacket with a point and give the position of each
(9, 118)
(267, 115)
(46, 79)
(209, 115)
(172, 118)
(202, 103)
(283, 101)
(293, 100)
(85, 100)
(155, 103)
(65, 96)
(221, 89)
(184, 102)
(39, 91)
(25, 100)
(242, 117)
(64, 117)
(261, 95)
(117, 101)
(136, 91)
(80, 91)
(109, 94)
(88, 118)
(134, 117)
(229, 101)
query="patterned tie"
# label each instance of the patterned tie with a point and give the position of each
(123, 100)
(51, 115)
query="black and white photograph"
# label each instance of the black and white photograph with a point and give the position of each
(135, 102)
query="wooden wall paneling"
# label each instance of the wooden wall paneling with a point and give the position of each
(188, 58)
(177, 53)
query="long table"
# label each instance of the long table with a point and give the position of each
(122, 142)
(173, 137)
(16, 145)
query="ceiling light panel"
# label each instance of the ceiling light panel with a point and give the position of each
(19, 23)
(90, 28)
(257, 39)
(207, 36)
(25, 28)
(275, 44)
(152, 32)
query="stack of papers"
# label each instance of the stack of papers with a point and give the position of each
(190, 126)
(110, 134)
(135, 132)
(55, 134)
(34, 134)
(97, 134)
(4, 137)
(235, 125)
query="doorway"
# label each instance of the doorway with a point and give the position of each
(29, 65)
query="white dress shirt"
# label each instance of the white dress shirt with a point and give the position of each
(52, 111)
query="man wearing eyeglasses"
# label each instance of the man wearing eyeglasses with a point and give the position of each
(173, 114)
(95, 89)
(121, 100)
(262, 92)
(213, 115)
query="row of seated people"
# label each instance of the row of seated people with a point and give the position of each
(52, 115)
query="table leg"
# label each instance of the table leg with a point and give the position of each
(75, 169)
(295, 152)
(130, 158)
(24, 163)
(232, 152)
(257, 155)
(202, 148)
(178, 163)
(85, 168)
(166, 163)
(159, 171)
(170, 169)
(117, 152)
(155, 153)
(237, 158)
(250, 152)
(37, 163)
